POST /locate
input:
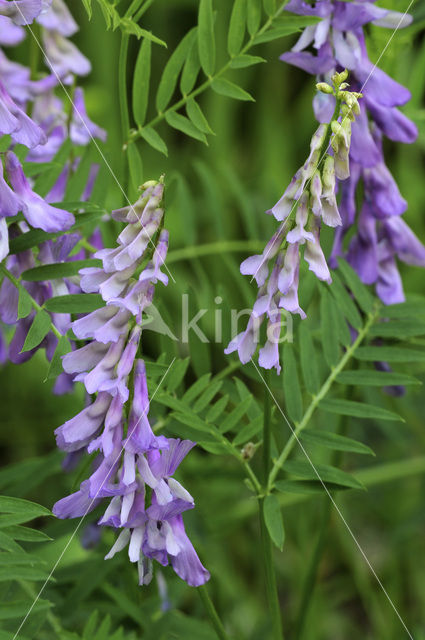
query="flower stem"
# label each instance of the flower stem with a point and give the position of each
(212, 613)
(266, 543)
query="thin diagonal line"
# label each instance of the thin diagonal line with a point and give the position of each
(347, 526)
(307, 184)
(102, 155)
(74, 533)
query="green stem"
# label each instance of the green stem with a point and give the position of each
(212, 613)
(267, 546)
(324, 390)
(270, 575)
(205, 85)
(35, 304)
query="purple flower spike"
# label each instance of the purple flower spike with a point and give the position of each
(38, 213)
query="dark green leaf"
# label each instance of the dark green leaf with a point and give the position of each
(389, 354)
(38, 331)
(405, 309)
(334, 441)
(135, 165)
(306, 487)
(249, 431)
(24, 303)
(195, 114)
(370, 377)
(321, 472)
(190, 70)
(253, 16)
(217, 409)
(230, 90)
(345, 302)
(207, 395)
(308, 360)
(206, 39)
(58, 270)
(74, 303)
(291, 385)
(361, 293)
(55, 367)
(234, 417)
(357, 409)
(405, 327)
(329, 328)
(141, 81)
(269, 7)
(20, 608)
(176, 374)
(196, 388)
(22, 507)
(181, 123)
(172, 69)
(236, 27)
(153, 138)
(273, 520)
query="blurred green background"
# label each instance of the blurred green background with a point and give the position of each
(216, 194)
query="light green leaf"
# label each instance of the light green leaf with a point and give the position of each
(190, 70)
(249, 431)
(20, 506)
(275, 34)
(372, 378)
(87, 7)
(334, 441)
(308, 360)
(345, 302)
(38, 331)
(207, 395)
(323, 472)
(172, 69)
(242, 61)
(408, 309)
(306, 487)
(361, 293)
(230, 90)
(181, 123)
(141, 82)
(273, 520)
(19, 608)
(253, 17)
(58, 270)
(269, 7)
(237, 27)
(196, 388)
(206, 39)
(195, 114)
(291, 385)
(55, 367)
(75, 303)
(405, 327)
(217, 409)
(153, 138)
(176, 374)
(135, 165)
(357, 409)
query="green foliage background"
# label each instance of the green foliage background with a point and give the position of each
(217, 194)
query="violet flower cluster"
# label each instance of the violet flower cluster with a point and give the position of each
(308, 201)
(381, 236)
(34, 116)
(134, 467)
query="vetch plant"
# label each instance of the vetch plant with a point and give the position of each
(120, 298)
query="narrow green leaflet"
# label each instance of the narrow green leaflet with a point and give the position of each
(249, 431)
(273, 520)
(190, 70)
(206, 38)
(74, 303)
(23, 507)
(308, 360)
(24, 303)
(135, 165)
(245, 60)
(153, 138)
(207, 395)
(230, 90)
(253, 17)
(389, 354)
(269, 7)
(237, 27)
(217, 409)
(334, 441)
(372, 378)
(38, 330)
(176, 374)
(141, 82)
(291, 385)
(196, 388)
(55, 367)
(20, 608)
(405, 327)
(195, 114)
(58, 270)
(345, 302)
(181, 123)
(235, 416)
(357, 409)
(329, 328)
(361, 293)
(172, 69)
(307, 487)
(321, 472)
(405, 309)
